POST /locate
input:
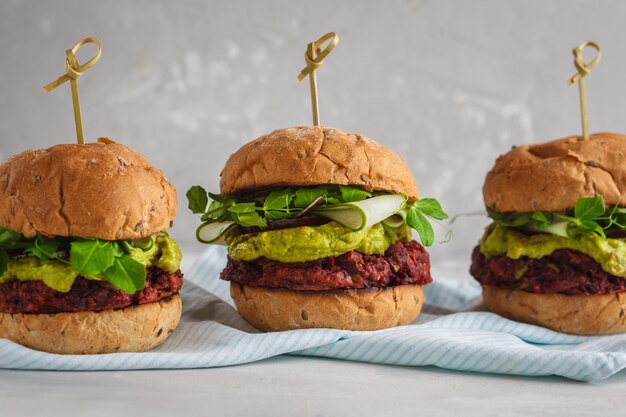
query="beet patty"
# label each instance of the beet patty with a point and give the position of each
(564, 271)
(402, 263)
(85, 295)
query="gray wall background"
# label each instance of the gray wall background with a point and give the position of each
(449, 85)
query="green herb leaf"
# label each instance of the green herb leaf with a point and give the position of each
(618, 217)
(4, 261)
(590, 215)
(118, 248)
(540, 219)
(126, 274)
(216, 211)
(350, 193)
(278, 215)
(91, 256)
(43, 247)
(249, 219)
(276, 205)
(259, 207)
(588, 226)
(510, 219)
(8, 236)
(222, 199)
(87, 257)
(278, 200)
(417, 221)
(430, 207)
(242, 208)
(197, 199)
(305, 196)
(589, 208)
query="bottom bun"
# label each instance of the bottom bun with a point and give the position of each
(271, 309)
(580, 314)
(131, 329)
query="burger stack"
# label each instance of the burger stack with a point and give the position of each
(317, 224)
(555, 254)
(85, 263)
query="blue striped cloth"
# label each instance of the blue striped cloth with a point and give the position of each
(449, 334)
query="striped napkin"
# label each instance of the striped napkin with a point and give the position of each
(450, 333)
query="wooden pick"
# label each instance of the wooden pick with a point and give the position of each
(314, 56)
(583, 70)
(73, 71)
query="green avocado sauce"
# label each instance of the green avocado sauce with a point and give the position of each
(307, 243)
(59, 276)
(500, 240)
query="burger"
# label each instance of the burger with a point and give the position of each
(555, 254)
(317, 224)
(85, 263)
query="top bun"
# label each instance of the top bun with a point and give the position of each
(316, 155)
(101, 190)
(551, 176)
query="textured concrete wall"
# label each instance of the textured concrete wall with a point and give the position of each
(447, 84)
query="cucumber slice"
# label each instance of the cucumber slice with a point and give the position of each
(213, 232)
(144, 244)
(365, 213)
(559, 229)
(396, 220)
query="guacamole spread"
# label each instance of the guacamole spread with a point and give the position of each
(500, 240)
(307, 243)
(60, 276)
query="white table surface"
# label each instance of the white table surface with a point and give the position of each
(293, 386)
(297, 386)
